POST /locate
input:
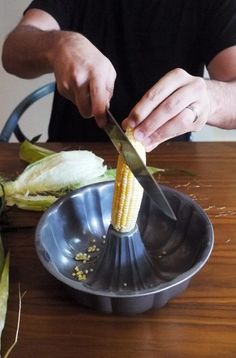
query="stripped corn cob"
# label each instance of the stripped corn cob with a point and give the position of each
(128, 192)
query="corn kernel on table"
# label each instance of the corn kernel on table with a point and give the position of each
(200, 322)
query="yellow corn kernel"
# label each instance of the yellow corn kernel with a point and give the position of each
(128, 192)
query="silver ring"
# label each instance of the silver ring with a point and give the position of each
(191, 107)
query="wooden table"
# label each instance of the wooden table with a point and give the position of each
(201, 322)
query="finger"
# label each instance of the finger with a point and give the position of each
(101, 92)
(98, 96)
(157, 94)
(65, 90)
(82, 101)
(77, 91)
(194, 112)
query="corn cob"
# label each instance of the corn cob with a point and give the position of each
(128, 192)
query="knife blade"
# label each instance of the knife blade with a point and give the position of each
(136, 165)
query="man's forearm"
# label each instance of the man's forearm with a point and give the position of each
(26, 51)
(223, 104)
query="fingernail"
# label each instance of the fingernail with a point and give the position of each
(138, 135)
(147, 141)
(131, 123)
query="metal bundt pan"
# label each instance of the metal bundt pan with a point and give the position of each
(129, 273)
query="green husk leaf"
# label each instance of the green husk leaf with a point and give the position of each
(32, 202)
(30, 152)
(170, 171)
(4, 292)
(109, 174)
(154, 170)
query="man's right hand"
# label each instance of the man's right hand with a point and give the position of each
(83, 74)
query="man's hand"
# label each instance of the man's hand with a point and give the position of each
(181, 103)
(83, 74)
(178, 103)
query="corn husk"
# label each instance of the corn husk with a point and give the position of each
(44, 181)
(31, 153)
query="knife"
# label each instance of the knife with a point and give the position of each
(136, 165)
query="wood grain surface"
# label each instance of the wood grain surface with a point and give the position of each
(199, 323)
